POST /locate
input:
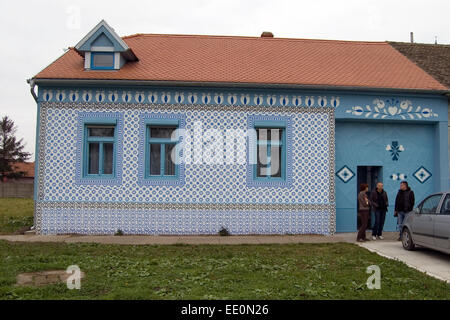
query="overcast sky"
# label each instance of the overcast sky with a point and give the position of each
(35, 33)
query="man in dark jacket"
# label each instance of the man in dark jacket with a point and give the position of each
(404, 203)
(380, 203)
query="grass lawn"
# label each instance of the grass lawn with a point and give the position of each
(294, 271)
(15, 214)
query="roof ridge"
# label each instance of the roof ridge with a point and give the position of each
(422, 44)
(136, 35)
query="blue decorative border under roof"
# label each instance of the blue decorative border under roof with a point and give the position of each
(210, 97)
(392, 108)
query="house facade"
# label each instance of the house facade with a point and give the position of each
(165, 134)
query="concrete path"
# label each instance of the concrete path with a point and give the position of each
(161, 240)
(433, 263)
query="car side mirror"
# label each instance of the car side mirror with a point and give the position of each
(416, 210)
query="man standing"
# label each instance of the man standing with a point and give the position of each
(404, 203)
(363, 211)
(379, 202)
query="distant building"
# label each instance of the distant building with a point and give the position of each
(433, 58)
(185, 134)
(25, 168)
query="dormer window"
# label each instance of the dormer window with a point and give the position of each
(103, 49)
(102, 60)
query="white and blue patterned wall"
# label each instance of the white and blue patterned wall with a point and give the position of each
(210, 196)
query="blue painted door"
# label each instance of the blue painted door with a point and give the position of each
(404, 151)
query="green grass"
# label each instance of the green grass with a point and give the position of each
(294, 271)
(15, 214)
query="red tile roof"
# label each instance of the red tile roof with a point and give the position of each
(27, 167)
(188, 58)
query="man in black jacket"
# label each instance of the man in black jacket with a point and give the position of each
(379, 202)
(404, 203)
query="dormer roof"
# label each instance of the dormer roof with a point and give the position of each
(103, 38)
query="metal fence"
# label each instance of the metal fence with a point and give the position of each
(16, 190)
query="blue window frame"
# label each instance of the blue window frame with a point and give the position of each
(102, 60)
(99, 151)
(169, 173)
(279, 145)
(161, 149)
(101, 175)
(270, 151)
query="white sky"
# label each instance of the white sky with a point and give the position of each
(36, 32)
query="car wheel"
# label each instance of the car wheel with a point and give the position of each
(407, 241)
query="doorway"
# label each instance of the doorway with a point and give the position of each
(370, 175)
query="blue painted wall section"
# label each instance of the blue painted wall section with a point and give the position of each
(365, 144)
(102, 41)
(405, 135)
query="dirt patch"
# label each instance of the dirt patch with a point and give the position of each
(22, 230)
(42, 278)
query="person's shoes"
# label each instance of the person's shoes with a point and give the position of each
(399, 239)
(360, 240)
(374, 238)
(381, 237)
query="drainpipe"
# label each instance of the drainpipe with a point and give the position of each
(33, 93)
(32, 85)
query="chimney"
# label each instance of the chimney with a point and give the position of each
(412, 37)
(267, 34)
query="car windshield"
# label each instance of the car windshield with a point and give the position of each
(445, 209)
